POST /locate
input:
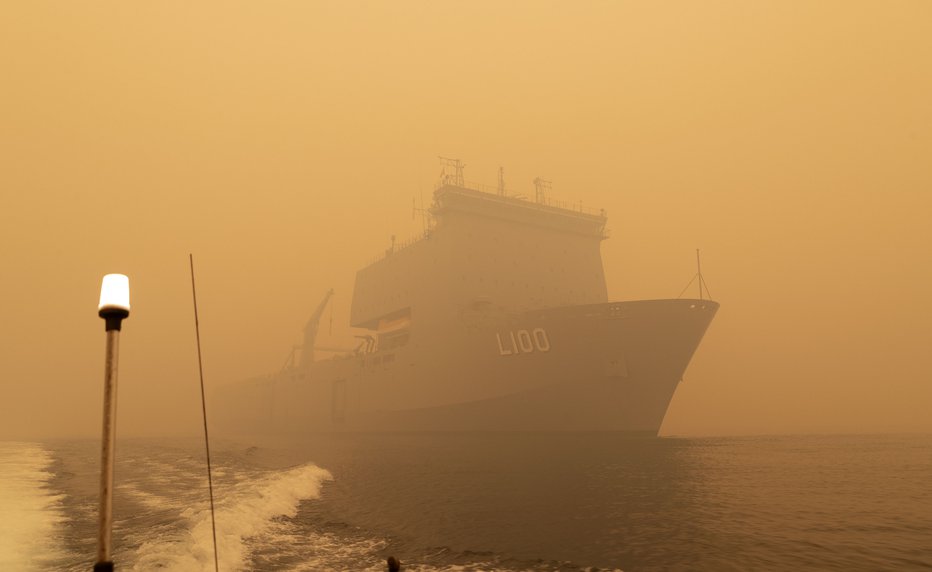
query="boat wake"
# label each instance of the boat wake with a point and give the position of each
(31, 526)
(248, 509)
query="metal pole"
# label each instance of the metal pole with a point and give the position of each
(200, 369)
(699, 273)
(104, 552)
(113, 308)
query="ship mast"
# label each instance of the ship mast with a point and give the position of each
(451, 172)
(699, 273)
(703, 287)
(541, 189)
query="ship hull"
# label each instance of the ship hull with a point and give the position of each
(611, 366)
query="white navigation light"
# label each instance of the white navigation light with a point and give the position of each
(114, 294)
(113, 308)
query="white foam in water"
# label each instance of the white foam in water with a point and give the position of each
(326, 551)
(30, 513)
(243, 511)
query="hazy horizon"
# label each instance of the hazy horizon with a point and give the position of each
(283, 146)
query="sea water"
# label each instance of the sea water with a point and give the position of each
(493, 501)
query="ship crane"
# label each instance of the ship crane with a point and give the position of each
(310, 330)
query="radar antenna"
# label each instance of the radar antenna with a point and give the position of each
(451, 172)
(541, 189)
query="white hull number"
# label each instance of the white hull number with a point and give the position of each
(523, 342)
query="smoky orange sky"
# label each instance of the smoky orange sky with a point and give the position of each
(282, 144)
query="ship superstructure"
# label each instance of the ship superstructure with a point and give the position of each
(496, 318)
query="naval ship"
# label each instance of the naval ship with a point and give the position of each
(496, 318)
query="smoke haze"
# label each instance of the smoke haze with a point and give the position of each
(282, 144)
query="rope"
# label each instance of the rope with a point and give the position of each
(687, 287)
(704, 283)
(200, 369)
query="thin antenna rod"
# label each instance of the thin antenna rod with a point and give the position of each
(200, 369)
(699, 273)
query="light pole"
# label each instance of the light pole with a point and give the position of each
(113, 308)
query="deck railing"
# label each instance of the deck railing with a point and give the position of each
(574, 206)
